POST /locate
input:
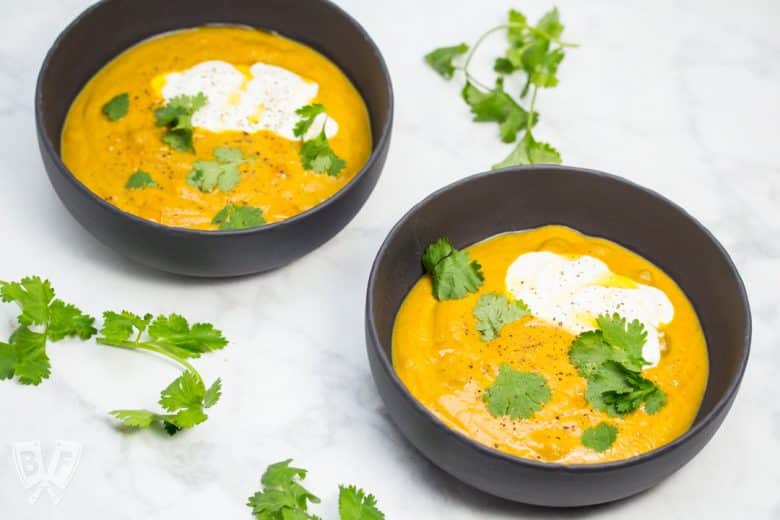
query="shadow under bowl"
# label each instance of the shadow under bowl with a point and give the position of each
(597, 204)
(112, 26)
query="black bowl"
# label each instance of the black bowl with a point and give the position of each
(112, 26)
(596, 204)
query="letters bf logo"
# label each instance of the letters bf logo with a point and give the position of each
(37, 476)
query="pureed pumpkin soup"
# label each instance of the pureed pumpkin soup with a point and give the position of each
(552, 345)
(217, 128)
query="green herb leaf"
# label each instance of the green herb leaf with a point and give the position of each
(140, 179)
(599, 438)
(26, 348)
(618, 391)
(177, 116)
(493, 311)
(355, 504)
(117, 107)
(627, 337)
(516, 394)
(222, 173)
(317, 155)
(238, 217)
(530, 151)
(441, 59)
(308, 114)
(453, 272)
(497, 106)
(282, 497)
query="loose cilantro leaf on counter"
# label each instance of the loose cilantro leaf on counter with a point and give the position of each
(140, 179)
(282, 497)
(610, 358)
(238, 217)
(496, 105)
(516, 394)
(43, 318)
(453, 272)
(187, 397)
(117, 107)
(177, 116)
(599, 438)
(493, 311)
(441, 59)
(536, 51)
(316, 154)
(355, 504)
(222, 173)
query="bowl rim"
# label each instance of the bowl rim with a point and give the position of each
(376, 152)
(543, 169)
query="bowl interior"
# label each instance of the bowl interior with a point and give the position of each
(96, 37)
(596, 204)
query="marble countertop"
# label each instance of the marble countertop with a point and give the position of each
(683, 97)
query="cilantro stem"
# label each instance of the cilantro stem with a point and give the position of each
(137, 345)
(531, 107)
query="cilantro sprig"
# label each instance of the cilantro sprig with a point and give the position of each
(453, 272)
(222, 173)
(187, 397)
(533, 50)
(139, 180)
(283, 497)
(315, 153)
(599, 438)
(610, 358)
(516, 394)
(494, 311)
(233, 217)
(177, 116)
(43, 318)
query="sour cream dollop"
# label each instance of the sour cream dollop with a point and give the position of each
(261, 97)
(572, 292)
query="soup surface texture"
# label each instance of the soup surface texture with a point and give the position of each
(254, 82)
(440, 357)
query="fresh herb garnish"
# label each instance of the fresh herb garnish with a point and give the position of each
(534, 50)
(599, 438)
(222, 173)
(493, 311)
(177, 116)
(453, 272)
(238, 217)
(283, 497)
(316, 153)
(43, 319)
(187, 397)
(441, 59)
(516, 394)
(117, 107)
(611, 360)
(140, 179)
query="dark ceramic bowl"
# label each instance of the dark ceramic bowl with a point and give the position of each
(596, 204)
(112, 26)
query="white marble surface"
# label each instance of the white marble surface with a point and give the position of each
(683, 97)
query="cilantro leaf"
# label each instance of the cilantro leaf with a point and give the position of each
(282, 496)
(618, 391)
(493, 311)
(222, 173)
(441, 59)
(317, 155)
(453, 272)
(140, 179)
(516, 394)
(630, 337)
(497, 106)
(355, 504)
(174, 333)
(213, 394)
(177, 116)
(238, 217)
(599, 438)
(530, 151)
(117, 107)
(308, 114)
(58, 320)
